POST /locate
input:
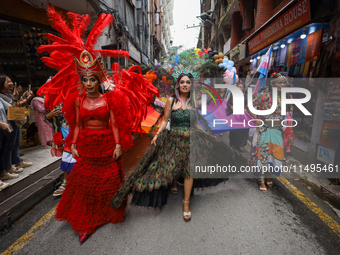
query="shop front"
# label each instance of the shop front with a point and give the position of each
(22, 29)
(18, 53)
(296, 48)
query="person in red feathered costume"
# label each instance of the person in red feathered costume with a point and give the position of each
(100, 123)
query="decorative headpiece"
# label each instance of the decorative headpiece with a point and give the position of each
(86, 65)
(277, 79)
(74, 57)
(186, 70)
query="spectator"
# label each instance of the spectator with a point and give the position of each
(44, 130)
(57, 117)
(5, 129)
(238, 137)
(11, 155)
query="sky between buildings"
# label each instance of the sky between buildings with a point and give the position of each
(184, 13)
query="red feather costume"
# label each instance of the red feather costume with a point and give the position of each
(96, 176)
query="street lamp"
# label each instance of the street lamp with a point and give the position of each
(303, 36)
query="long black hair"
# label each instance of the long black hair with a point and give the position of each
(176, 94)
(3, 78)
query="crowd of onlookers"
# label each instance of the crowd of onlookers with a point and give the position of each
(12, 96)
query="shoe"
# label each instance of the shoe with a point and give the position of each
(21, 154)
(186, 215)
(4, 185)
(9, 176)
(25, 164)
(83, 237)
(263, 189)
(269, 182)
(60, 190)
(15, 170)
(174, 191)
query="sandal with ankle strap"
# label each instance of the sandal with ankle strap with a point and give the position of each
(261, 188)
(186, 215)
(269, 183)
(60, 190)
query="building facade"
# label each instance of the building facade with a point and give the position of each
(141, 27)
(300, 33)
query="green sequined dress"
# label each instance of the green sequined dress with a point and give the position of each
(169, 160)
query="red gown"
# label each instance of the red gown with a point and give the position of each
(96, 176)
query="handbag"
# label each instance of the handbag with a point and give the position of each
(18, 113)
(168, 124)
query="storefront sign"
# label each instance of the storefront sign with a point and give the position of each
(295, 17)
(145, 59)
(234, 54)
(134, 53)
(325, 154)
(242, 52)
(226, 47)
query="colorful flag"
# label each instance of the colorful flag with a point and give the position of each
(314, 46)
(302, 57)
(296, 47)
(219, 122)
(263, 70)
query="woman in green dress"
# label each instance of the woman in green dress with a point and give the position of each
(169, 157)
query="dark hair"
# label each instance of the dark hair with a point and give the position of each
(240, 83)
(274, 76)
(3, 78)
(191, 77)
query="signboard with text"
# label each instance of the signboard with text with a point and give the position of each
(133, 52)
(295, 17)
(226, 47)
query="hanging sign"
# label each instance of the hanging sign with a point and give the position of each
(133, 52)
(295, 17)
(226, 47)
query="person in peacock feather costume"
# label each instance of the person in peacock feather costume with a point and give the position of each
(171, 155)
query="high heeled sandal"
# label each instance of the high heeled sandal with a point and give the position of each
(186, 215)
(269, 183)
(263, 189)
(83, 237)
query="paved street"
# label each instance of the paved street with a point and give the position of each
(232, 218)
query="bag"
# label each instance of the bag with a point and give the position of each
(168, 125)
(17, 113)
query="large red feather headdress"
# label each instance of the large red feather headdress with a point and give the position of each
(74, 57)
